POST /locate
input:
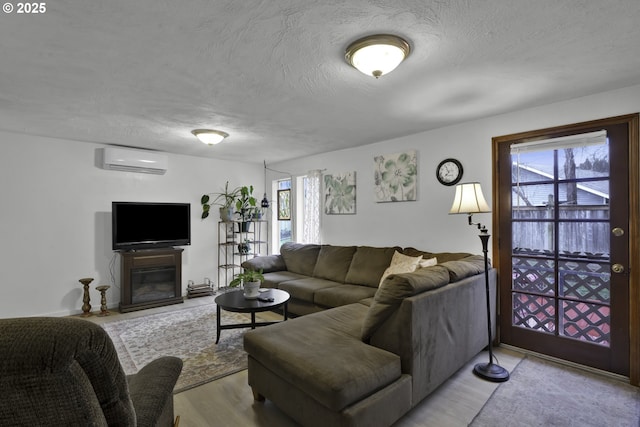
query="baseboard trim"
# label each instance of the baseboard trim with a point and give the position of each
(568, 363)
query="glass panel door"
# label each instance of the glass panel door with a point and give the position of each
(560, 242)
(558, 206)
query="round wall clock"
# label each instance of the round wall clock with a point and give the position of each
(449, 172)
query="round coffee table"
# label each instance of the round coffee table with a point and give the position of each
(235, 301)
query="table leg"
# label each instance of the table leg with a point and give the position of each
(253, 320)
(217, 324)
(284, 311)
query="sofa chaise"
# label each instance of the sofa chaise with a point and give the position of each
(365, 357)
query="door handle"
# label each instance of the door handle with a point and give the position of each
(617, 268)
(617, 231)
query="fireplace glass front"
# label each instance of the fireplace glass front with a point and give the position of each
(152, 284)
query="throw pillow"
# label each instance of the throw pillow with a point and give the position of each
(428, 262)
(401, 264)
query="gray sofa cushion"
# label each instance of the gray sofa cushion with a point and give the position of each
(368, 264)
(273, 280)
(323, 356)
(465, 267)
(304, 289)
(300, 258)
(333, 262)
(342, 295)
(395, 288)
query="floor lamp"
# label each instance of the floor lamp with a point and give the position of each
(469, 200)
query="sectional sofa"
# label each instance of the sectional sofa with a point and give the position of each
(371, 341)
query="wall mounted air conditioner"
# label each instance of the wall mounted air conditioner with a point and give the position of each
(143, 161)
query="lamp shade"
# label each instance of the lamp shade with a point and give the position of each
(469, 199)
(209, 136)
(377, 55)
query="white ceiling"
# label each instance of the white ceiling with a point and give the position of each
(272, 73)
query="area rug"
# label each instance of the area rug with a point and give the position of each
(543, 393)
(188, 333)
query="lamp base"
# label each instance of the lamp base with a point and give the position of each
(491, 372)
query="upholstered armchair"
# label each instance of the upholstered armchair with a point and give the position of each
(65, 372)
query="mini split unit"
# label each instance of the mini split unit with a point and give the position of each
(143, 161)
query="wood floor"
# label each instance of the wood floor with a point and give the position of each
(229, 401)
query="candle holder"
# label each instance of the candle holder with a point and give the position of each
(86, 307)
(103, 299)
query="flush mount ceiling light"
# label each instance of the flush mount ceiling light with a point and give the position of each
(209, 136)
(378, 54)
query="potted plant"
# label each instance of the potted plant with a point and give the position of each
(257, 213)
(226, 199)
(244, 247)
(250, 280)
(245, 206)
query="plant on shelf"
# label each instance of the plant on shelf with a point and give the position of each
(245, 206)
(244, 248)
(226, 199)
(248, 276)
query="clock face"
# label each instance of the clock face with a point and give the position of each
(449, 172)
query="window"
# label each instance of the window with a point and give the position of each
(303, 200)
(284, 231)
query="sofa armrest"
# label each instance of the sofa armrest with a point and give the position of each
(395, 288)
(151, 391)
(267, 264)
(437, 332)
(465, 267)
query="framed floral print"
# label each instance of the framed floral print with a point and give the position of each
(395, 177)
(340, 194)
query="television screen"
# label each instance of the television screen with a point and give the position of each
(142, 225)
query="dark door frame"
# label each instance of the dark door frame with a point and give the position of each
(632, 121)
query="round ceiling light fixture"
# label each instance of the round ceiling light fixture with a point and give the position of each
(209, 136)
(378, 54)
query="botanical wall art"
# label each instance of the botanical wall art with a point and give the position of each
(340, 194)
(395, 177)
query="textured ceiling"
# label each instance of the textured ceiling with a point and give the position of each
(272, 74)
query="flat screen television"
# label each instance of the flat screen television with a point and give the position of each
(143, 225)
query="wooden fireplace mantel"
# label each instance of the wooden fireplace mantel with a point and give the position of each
(158, 272)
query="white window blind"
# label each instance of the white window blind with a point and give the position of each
(571, 141)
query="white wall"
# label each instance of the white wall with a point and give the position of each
(55, 214)
(425, 223)
(55, 219)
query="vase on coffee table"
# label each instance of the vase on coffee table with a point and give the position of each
(251, 290)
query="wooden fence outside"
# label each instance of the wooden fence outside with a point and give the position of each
(582, 229)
